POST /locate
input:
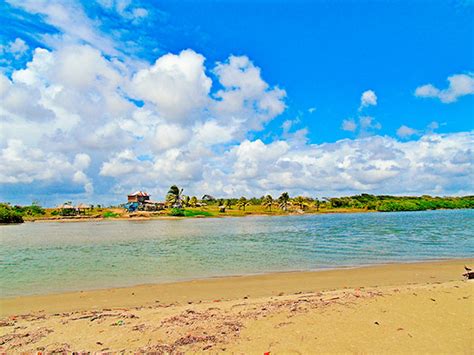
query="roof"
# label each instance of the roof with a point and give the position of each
(83, 205)
(139, 193)
(65, 207)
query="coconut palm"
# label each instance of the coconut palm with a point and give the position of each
(300, 201)
(284, 201)
(185, 201)
(174, 196)
(317, 204)
(193, 201)
(268, 202)
(242, 203)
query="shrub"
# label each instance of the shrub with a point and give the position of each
(109, 214)
(177, 212)
(9, 215)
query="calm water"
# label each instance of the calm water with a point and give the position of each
(49, 257)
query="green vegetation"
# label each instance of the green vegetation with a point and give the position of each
(194, 213)
(8, 214)
(180, 205)
(110, 214)
(384, 203)
(33, 210)
(180, 212)
(176, 212)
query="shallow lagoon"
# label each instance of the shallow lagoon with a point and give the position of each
(41, 258)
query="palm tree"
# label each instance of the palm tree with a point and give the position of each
(174, 196)
(193, 201)
(301, 202)
(283, 201)
(268, 202)
(186, 200)
(317, 203)
(242, 203)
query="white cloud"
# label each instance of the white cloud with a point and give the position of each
(406, 132)
(246, 98)
(22, 164)
(16, 48)
(176, 84)
(312, 109)
(433, 126)
(366, 125)
(70, 18)
(349, 125)
(169, 136)
(125, 9)
(70, 117)
(459, 85)
(368, 98)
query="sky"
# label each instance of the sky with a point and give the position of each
(234, 98)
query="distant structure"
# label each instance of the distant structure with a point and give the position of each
(139, 196)
(140, 201)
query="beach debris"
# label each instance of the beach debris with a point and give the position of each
(15, 340)
(469, 274)
(194, 328)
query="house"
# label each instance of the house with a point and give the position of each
(140, 201)
(138, 196)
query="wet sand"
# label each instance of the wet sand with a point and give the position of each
(419, 307)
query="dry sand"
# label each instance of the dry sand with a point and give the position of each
(399, 308)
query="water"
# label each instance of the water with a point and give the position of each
(38, 258)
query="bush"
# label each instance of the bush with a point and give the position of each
(9, 215)
(177, 212)
(192, 213)
(109, 214)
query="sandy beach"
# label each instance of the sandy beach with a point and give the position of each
(397, 308)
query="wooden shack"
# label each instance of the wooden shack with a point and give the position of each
(138, 196)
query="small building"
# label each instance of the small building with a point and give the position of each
(138, 196)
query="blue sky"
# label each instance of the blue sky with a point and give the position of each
(279, 83)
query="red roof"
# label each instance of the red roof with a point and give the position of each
(139, 193)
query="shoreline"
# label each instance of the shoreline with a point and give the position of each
(395, 308)
(167, 217)
(270, 273)
(320, 279)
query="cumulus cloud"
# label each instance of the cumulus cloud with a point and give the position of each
(246, 98)
(80, 115)
(176, 84)
(23, 164)
(406, 132)
(368, 98)
(75, 103)
(459, 85)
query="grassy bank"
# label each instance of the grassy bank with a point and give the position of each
(264, 205)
